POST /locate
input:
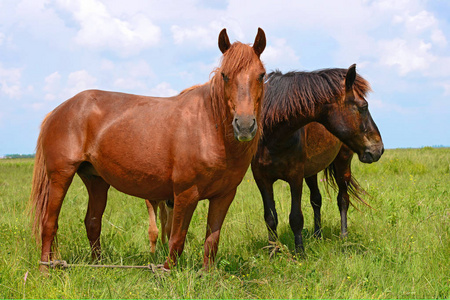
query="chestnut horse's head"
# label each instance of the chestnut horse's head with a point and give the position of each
(239, 83)
(349, 119)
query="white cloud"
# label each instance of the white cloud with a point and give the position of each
(438, 37)
(408, 56)
(57, 90)
(163, 90)
(127, 35)
(38, 17)
(10, 81)
(79, 81)
(52, 84)
(280, 54)
(200, 36)
(439, 69)
(133, 75)
(418, 22)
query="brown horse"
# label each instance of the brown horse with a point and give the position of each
(197, 145)
(333, 97)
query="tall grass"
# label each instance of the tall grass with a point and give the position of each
(398, 249)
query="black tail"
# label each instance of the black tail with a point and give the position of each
(354, 189)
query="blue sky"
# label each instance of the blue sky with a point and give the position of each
(52, 49)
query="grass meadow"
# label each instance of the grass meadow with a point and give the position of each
(398, 249)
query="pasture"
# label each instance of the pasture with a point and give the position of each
(398, 249)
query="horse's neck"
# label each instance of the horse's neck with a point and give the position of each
(281, 133)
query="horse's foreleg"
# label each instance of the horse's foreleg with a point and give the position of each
(59, 184)
(316, 203)
(296, 216)
(185, 203)
(98, 192)
(153, 231)
(265, 187)
(342, 165)
(218, 208)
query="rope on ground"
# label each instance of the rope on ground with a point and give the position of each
(62, 264)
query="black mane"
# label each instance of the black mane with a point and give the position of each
(298, 93)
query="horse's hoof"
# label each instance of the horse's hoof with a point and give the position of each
(44, 270)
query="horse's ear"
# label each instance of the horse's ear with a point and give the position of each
(224, 42)
(260, 42)
(350, 77)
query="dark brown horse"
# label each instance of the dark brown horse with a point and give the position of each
(197, 145)
(333, 97)
(319, 150)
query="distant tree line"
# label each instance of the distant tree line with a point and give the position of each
(19, 156)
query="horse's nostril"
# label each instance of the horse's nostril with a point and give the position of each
(236, 122)
(252, 127)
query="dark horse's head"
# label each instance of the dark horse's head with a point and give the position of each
(239, 81)
(349, 119)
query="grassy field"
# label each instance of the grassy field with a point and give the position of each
(398, 249)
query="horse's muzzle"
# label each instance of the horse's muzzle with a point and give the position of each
(245, 128)
(371, 155)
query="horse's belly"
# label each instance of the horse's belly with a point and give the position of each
(137, 180)
(320, 160)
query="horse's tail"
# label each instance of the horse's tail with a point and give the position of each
(354, 188)
(40, 189)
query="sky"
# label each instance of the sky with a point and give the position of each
(52, 49)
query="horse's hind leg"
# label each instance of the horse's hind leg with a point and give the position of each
(316, 203)
(165, 216)
(98, 193)
(342, 165)
(153, 231)
(60, 181)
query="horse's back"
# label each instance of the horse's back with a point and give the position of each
(81, 120)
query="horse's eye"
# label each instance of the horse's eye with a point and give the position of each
(225, 77)
(364, 108)
(261, 77)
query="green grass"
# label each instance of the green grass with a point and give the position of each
(398, 249)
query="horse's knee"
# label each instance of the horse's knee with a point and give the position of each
(343, 201)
